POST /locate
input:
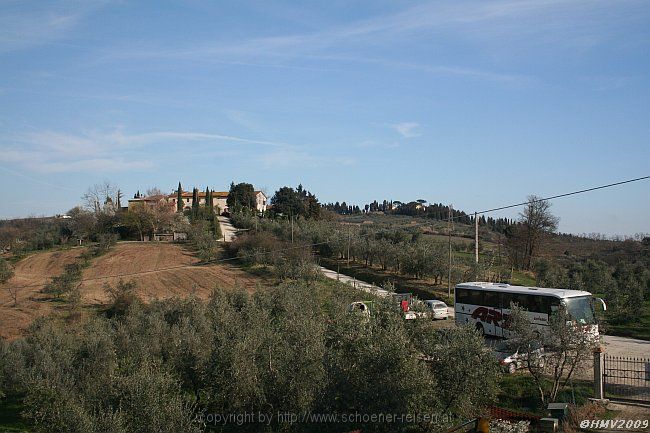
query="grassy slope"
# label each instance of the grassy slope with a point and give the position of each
(518, 392)
(639, 329)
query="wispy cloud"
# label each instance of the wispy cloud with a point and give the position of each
(518, 21)
(32, 23)
(35, 180)
(407, 129)
(113, 151)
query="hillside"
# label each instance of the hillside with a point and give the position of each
(32, 272)
(556, 245)
(158, 282)
(125, 258)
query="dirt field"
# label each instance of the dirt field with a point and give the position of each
(125, 258)
(33, 272)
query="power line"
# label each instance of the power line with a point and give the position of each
(565, 194)
(535, 201)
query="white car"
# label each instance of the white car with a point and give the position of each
(513, 358)
(438, 309)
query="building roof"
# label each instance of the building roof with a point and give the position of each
(216, 194)
(151, 198)
(189, 194)
(558, 293)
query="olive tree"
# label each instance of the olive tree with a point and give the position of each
(465, 372)
(565, 347)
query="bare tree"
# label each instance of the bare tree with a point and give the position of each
(154, 190)
(162, 216)
(100, 196)
(536, 222)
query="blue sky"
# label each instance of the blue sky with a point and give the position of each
(475, 103)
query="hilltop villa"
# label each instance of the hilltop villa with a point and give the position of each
(218, 200)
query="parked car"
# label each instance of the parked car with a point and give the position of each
(513, 357)
(438, 309)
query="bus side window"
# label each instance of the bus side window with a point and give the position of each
(491, 299)
(544, 304)
(554, 305)
(478, 297)
(531, 302)
(534, 303)
(521, 300)
(506, 299)
(461, 296)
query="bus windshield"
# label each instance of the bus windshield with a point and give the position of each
(580, 309)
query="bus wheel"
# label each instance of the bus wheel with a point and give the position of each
(480, 329)
(512, 368)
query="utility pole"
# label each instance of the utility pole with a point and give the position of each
(449, 273)
(476, 237)
(349, 236)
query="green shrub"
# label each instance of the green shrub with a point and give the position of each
(122, 296)
(294, 348)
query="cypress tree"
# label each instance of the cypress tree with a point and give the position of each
(179, 198)
(195, 200)
(207, 197)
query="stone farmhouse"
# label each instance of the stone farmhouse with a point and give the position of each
(219, 199)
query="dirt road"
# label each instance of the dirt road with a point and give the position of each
(621, 346)
(227, 229)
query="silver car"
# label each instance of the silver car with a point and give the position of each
(438, 309)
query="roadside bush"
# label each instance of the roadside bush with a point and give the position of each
(122, 296)
(296, 264)
(6, 271)
(243, 220)
(207, 247)
(255, 247)
(105, 241)
(216, 228)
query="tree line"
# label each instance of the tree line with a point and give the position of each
(419, 208)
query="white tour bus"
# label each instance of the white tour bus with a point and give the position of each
(487, 306)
